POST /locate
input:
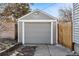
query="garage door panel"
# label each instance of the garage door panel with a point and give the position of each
(38, 33)
(38, 40)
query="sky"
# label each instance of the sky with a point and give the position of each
(2, 6)
(51, 8)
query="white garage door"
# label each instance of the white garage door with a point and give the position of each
(39, 32)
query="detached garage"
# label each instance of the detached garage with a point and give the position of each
(37, 27)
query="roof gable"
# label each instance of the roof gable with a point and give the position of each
(37, 14)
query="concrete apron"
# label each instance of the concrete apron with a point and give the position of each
(42, 50)
(51, 50)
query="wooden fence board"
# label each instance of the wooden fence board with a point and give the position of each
(65, 34)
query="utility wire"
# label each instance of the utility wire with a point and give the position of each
(47, 7)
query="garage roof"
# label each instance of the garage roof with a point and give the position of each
(37, 15)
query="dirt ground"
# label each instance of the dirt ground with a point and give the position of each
(6, 43)
(18, 51)
(22, 51)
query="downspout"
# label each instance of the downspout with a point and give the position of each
(16, 30)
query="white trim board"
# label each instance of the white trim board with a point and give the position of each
(51, 21)
(18, 32)
(51, 32)
(37, 20)
(23, 40)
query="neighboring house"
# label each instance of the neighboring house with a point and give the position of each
(76, 26)
(37, 27)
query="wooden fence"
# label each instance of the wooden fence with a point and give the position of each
(65, 34)
(7, 30)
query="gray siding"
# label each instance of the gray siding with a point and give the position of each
(37, 16)
(76, 22)
(20, 32)
(54, 32)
